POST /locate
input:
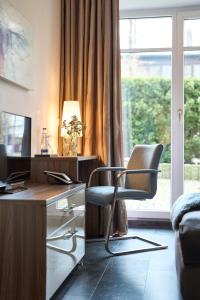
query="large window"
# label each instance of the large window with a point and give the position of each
(160, 71)
(146, 94)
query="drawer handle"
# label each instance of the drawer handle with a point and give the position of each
(65, 236)
(69, 209)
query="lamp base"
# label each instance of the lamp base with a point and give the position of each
(70, 146)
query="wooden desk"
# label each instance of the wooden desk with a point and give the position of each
(77, 168)
(42, 239)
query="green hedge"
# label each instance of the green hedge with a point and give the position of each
(147, 114)
(191, 172)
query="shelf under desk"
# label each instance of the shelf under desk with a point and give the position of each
(76, 167)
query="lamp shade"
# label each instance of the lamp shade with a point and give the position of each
(70, 108)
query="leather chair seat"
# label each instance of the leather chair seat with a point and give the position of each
(189, 234)
(103, 195)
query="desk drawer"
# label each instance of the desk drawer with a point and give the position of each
(65, 248)
(65, 238)
(64, 210)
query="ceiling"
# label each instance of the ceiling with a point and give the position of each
(153, 4)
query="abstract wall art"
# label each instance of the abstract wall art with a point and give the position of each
(15, 46)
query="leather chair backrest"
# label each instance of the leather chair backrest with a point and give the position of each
(144, 157)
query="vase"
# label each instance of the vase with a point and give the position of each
(74, 145)
(70, 145)
(66, 146)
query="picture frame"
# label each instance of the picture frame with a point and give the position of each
(16, 50)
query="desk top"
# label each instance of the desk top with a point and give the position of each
(43, 193)
(71, 158)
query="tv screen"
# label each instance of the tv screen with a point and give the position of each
(15, 146)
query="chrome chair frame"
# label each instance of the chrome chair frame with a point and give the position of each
(108, 238)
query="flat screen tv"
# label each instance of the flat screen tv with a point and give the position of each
(15, 147)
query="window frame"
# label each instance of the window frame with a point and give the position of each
(178, 16)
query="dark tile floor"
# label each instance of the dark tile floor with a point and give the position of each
(144, 276)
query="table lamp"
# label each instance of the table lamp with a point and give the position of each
(72, 127)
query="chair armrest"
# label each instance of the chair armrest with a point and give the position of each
(113, 169)
(105, 169)
(139, 171)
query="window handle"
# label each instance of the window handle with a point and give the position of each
(180, 113)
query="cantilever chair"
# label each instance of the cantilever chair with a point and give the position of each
(140, 184)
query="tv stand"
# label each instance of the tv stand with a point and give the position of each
(42, 234)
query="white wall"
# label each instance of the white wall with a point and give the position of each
(41, 103)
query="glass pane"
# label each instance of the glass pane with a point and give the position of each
(192, 122)
(191, 33)
(146, 96)
(146, 64)
(146, 33)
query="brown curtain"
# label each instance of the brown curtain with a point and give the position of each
(90, 73)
